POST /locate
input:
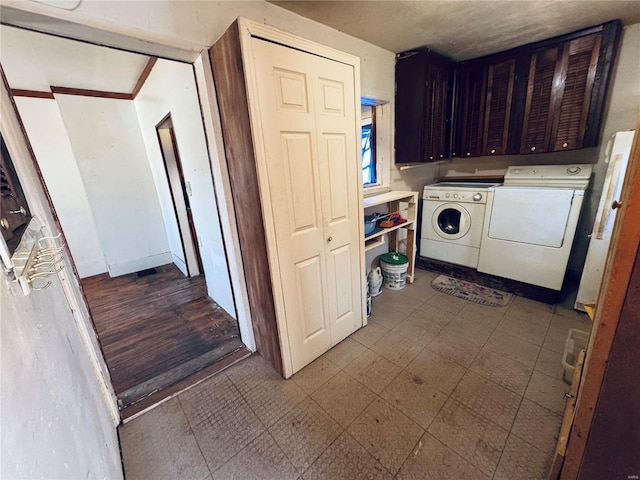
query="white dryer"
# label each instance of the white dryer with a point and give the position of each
(530, 223)
(452, 217)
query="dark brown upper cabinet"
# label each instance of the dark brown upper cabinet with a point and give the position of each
(487, 93)
(568, 78)
(542, 97)
(424, 91)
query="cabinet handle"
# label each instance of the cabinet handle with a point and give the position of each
(565, 145)
(329, 239)
(468, 154)
(441, 156)
(533, 149)
(4, 223)
(493, 150)
(430, 158)
(616, 204)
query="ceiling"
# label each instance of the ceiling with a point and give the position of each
(461, 29)
(34, 61)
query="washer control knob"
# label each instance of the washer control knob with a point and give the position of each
(573, 170)
(455, 195)
(477, 197)
(447, 195)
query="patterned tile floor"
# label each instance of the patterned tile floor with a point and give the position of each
(433, 388)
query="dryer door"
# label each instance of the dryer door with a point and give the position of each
(537, 216)
(451, 221)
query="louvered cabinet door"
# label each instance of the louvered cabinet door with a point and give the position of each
(471, 110)
(500, 81)
(437, 112)
(577, 73)
(540, 103)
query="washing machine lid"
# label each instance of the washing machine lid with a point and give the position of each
(559, 176)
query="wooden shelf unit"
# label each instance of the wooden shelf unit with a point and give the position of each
(393, 201)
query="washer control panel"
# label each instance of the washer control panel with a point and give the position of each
(570, 176)
(461, 196)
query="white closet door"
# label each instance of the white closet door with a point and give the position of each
(308, 125)
(339, 164)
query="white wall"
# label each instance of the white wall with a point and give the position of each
(171, 88)
(109, 150)
(58, 413)
(52, 148)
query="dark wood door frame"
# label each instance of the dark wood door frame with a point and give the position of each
(609, 308)
(167, 124)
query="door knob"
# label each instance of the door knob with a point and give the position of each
(329, 239)
(616, 204)
(21, 211)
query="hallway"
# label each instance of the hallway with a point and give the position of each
(157, 329)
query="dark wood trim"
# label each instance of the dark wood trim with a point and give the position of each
(228, 71)
(187, 201)
(617, 275)
(17, 92)
(143, 76)
(91, 93)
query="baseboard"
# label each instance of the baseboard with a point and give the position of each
(131, 266)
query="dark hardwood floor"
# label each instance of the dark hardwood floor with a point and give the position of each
(158, 329)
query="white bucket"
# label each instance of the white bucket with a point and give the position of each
(394, 267)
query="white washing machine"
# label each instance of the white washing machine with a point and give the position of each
(530, 223)
(452, 218)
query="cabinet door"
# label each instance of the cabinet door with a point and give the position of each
(437, 108)
(410, 101)
(308, 132)
(576, 75)
(471, 110)
(14, 212)
(541, 100)
(500, 81)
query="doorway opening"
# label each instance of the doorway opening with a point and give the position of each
(180, 193)
(133, 191)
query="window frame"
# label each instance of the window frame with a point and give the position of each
(382, 126)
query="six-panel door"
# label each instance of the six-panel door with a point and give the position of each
(307, 113)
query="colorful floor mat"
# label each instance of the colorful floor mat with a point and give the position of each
(471, 291)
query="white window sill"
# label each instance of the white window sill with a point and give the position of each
(375, 190)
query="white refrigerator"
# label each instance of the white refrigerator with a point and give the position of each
(618, 150)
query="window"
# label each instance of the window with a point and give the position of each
(369, 171)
